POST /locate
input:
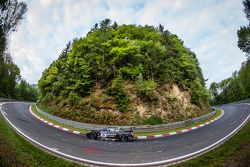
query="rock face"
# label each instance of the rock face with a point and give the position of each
(125, 75)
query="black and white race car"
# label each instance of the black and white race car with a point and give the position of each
(113, 133)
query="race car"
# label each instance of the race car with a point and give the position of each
(114, 133)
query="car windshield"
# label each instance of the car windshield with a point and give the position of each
(115, 129)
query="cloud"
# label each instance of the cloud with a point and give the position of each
(207, 27)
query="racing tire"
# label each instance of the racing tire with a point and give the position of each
(123, 138)
(93, 136)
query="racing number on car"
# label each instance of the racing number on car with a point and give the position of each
(103, 134)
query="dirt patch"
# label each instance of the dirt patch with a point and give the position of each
(141, 109)
(183, 96)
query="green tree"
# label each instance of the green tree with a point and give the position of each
(11, 13)
(246, 4)
(244, 32)
(109, 61)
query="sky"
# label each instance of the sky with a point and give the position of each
(207, 27)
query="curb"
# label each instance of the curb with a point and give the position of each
(95, 163)
(135, 137)
(55, 126)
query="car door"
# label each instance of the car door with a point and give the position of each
(110, 134)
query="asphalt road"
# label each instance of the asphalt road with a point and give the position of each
(141, 152)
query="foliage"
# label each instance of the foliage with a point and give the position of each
(16, 151)
(113, 55)
(234, 88)
(246, 4)
(244, 32)
(11, 13)
(24, 91)
(117, 91)
(234, 152)
(244, 39)
(146, 88)
(153, 120)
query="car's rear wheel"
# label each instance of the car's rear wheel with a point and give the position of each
(123, 138)
(93, 135)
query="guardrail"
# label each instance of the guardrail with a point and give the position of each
(141, 128)
(5, 100)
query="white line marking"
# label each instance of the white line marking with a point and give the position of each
(172, 133)
(158, 135)
(54, 149)
(5, 113)
(184, 130)
(141, 137)
(194, 128)
(65, 129)
(56, 126)
(140, 164)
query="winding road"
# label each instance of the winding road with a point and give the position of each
(136, 153)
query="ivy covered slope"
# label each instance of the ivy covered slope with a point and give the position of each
(125, 75)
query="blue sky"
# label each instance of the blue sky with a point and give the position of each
(207, 27)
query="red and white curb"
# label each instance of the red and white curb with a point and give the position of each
(162, 162)
(135, 137)
(56, 126)
(180, 131)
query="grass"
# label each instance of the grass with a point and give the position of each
(217, 114)
(234, 152)
(15, 151)
(34, 110)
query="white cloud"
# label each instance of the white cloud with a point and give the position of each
(207, 27)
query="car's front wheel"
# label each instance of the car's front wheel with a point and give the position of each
(123, 138)
(92, 135)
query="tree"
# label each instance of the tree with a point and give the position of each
(244, 32)
(11, 13)
(161, 28)
(246, 4)
(244, 39)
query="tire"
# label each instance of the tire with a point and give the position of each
(92, 135)
(123, 138)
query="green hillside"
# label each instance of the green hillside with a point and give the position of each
(125, 74)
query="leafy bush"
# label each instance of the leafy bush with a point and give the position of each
(146, 88)
(117, 91)
(153, 120)
(198, 93)
(73, 97)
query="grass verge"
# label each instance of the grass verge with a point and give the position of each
(234, 152)
(15, 151)
(34, 110)
(217, 114)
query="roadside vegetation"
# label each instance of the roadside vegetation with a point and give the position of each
(216, 115)
(125, 75)
(236, 87)
(34, 110)
(15, 151)
(11, 83)
(234, 152)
